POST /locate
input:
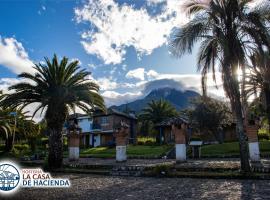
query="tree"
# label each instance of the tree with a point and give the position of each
(154, 113)
(157, 111)
(258, 78)
(227, 31)
(209, 115)
(58, 87)
(31, 131)
(6, 129)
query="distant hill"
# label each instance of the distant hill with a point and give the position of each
(179, 99)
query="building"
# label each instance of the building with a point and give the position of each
(98, 130)
(85, 123)
(226, 133)
(164, 128)
(104, 125)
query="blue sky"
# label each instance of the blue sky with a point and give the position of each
(123, 43)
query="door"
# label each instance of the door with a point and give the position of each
(97, 140)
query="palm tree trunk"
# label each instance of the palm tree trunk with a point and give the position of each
(243, 146)
(8, 145)
(55, 157)
(231, 86)
(55, 117)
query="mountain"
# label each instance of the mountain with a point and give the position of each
(179, 99)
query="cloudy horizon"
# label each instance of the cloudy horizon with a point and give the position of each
(123, 43)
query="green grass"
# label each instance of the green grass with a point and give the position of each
(132, 150)
(230, 149)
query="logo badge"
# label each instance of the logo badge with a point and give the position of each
(9, 177)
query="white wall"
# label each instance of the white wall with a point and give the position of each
(85, 124)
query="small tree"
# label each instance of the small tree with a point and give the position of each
(156, 112)
(31, 131)
(209, 115)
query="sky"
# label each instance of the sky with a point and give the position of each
(123, 43)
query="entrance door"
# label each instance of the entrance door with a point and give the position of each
(97, 140)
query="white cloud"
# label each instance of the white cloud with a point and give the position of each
(115, 98)
(5, 83)
(115, 27)
(106, 83)
(155, 1)
(150, 80)
(124, 67)
(92, 66)
(14, 57)
(136, 74)
(152, 74)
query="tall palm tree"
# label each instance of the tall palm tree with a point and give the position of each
(258, 78)
(227, 31)
(157, 111)
(58, 87)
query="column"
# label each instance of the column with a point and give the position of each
(121, 144)
(74, 146)
(253, 144)
(180, 142)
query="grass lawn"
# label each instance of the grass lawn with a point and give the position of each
(232, 148)
(132, 150)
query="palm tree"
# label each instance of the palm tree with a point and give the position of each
(258, 77)
(6, 130)
(58, 87)
(227, 31)
(9, 128)
(157, 111)
(30, 130)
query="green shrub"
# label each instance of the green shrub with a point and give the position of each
(15, 152)
(263, 134)
(146, 141)
(22, 147)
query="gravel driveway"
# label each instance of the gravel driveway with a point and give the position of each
(126, 188)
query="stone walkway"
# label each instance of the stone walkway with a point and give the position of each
(230, 163)
(129, 162)
(131, 188)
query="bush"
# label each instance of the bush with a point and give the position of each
(15, 152)
(263, 134)
(22, 147)
(146, 141)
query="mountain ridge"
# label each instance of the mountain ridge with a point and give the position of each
(179, 99)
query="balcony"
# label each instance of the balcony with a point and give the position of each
(96, 127)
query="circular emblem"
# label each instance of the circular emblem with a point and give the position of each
(9, 177)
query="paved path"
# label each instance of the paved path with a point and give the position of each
(130, 188)
(194, 163)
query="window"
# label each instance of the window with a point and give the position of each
(104, 120)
